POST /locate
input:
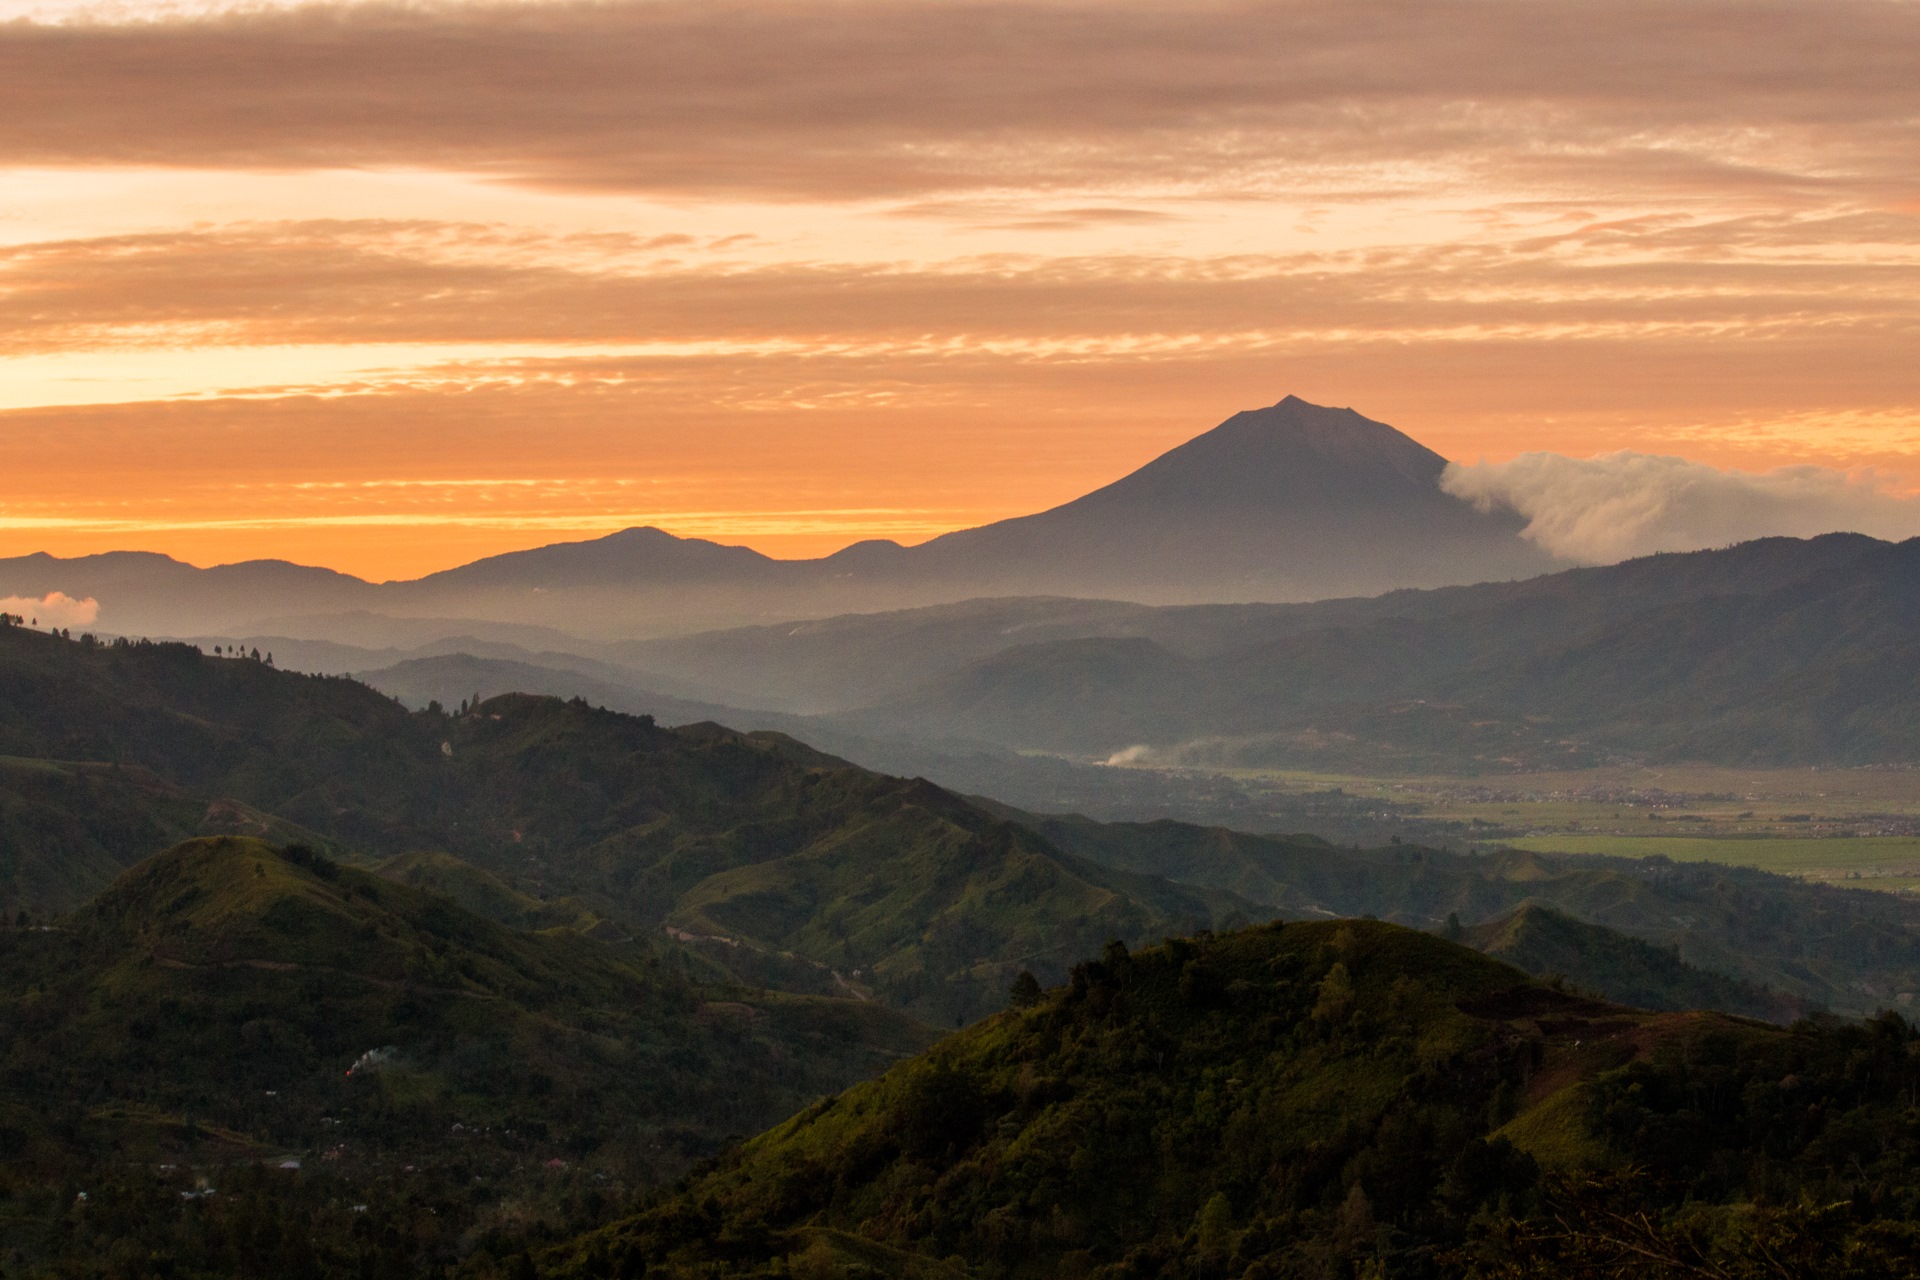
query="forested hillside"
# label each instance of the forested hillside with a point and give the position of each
(788, 865)
(510, 964)
(779, 864)
(225, 1005)
(1849, 950)
(1328, 1099)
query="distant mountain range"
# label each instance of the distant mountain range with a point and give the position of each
(1775, 652)
(1291, 502)
(1779, 651)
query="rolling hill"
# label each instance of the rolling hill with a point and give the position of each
(225, 1002)
(1782, 651)
(1791, 943)
(1320, 1099)
(777, 863)
(777, 860)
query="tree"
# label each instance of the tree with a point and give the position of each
(1215, 1226)
(1336, 995)
(1026, 991)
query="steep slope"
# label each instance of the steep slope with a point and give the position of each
(484, 894)
(68, 828)
(224, 967)
(773, 853)
(1323, 1099)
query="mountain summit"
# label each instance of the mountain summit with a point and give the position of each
(1291, 502)
(1292, 453)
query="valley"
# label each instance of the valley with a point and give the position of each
(1855, 825)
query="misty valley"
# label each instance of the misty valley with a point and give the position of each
(1033, 905)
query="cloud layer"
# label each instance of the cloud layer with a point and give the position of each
(1609, 508)
(55, 609)
(902, 97)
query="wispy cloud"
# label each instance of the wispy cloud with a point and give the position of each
(905, 97)
(1770, 277)
(1609, 508)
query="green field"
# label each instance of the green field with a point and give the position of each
(1887, 862)
(1855, 826)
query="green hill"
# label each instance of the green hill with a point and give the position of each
(1541, 940)
(774, 862)
(1337, 1099)
(68, 828)
(485, 894)
(1850, 950)
(225, 1002)
(782, 863)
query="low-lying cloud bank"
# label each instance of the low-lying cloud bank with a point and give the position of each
(55, 609)
(1609, 508)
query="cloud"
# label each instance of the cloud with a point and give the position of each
(1609, 508)
(906, 98)
(1785, 279)
(55, 609)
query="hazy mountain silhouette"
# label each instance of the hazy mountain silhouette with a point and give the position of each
(1291, 502)
(1779, 651)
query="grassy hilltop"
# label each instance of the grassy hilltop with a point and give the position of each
(1337, 1099)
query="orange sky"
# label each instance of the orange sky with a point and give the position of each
(390, 289)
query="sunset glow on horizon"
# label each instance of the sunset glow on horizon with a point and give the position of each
(391, 288)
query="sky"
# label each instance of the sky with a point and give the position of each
(389, 287)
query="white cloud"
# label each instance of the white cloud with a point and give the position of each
(1608, 508)
(55, 609)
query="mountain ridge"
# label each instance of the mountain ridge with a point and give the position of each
(1293, 501)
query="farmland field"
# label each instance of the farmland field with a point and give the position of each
(1854, 826)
